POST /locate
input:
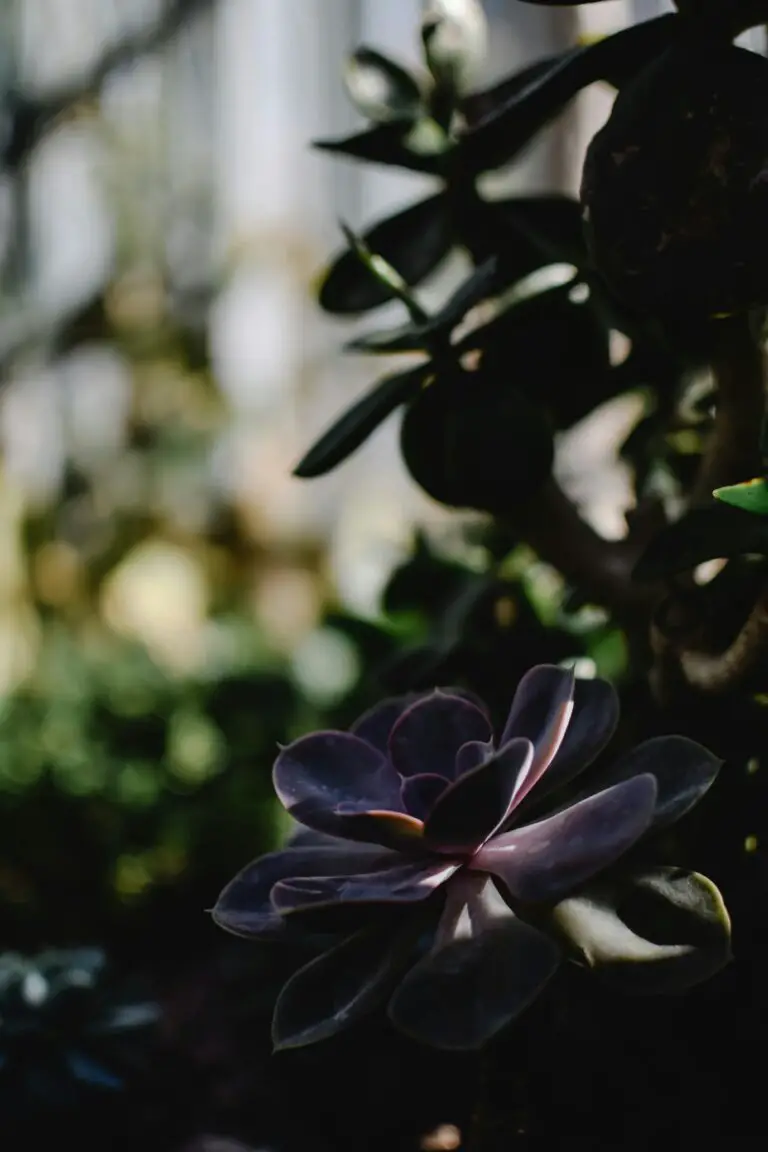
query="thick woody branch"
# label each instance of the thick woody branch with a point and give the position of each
(724, 671)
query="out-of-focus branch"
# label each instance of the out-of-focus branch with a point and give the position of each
(738, 365)
(600, 569)
(29, 119)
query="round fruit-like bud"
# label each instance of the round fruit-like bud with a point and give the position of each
(380, 88)
(455, 37)
(675, 186)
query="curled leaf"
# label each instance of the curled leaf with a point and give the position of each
(658, 931)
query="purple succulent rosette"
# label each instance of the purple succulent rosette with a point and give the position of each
(428, 870)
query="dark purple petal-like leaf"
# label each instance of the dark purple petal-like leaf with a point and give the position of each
(327, 769)
(474, 806)
(421, 793)
(590, 727)
(539, 695)
(655, 932)
(302, 837)
(397, 884)
(376, 724)
(244, 907)
(540, 862)
(471, 755)
(540, 712)
(683, 769)
(485, 967)
(335, 990)
(428, 735)
(395, 830)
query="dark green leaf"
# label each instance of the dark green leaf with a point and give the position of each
(413, 242)
(537, 230)
(417, 337)
(425, 582)
(714, 532)
(380, 88)
(384, 274)
(752, 496)
(480, 105)
(553, 350)
(384, 144)
(359, 421)
(498, 138)
(655, 932)
(473, 441)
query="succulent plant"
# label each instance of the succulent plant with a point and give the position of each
(433, 879)
(63, 1030)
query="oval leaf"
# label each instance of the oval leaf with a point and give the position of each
(358, 422)
(500, 136)
(334, 990)
(655, 932)
(384, 144)
(413, 242)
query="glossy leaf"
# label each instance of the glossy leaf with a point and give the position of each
(539, 862)
(591, 725)
(356, 424)
(485, 968)
(244, 907)
(537, 230)
(400, 883)
(684, 771)
(335, 768)
(413, 241)
(498, 138)
(473, 441)
(752, 496)
(541, 710)
(375, 725)
(334, 991)
(428, 736)
(474, 806)
(566, 377)
(655, 932)
(421, 793)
